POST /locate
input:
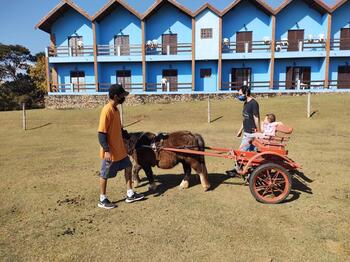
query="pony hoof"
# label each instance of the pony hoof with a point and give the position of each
(184, 184)
(152, 187)
(206, 188)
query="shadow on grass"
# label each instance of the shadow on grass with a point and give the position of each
(38, 127)
(299, 186)
(313, 113)
(216, 119)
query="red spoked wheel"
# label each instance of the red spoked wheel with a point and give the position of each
(270, 183)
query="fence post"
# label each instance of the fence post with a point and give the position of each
(209, 110)
(118, 50)
(168, 49)
(24, 117)
(309, 104)
(246, 47)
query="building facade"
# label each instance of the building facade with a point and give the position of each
(303, 44)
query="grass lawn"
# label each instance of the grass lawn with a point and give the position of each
(49, 190)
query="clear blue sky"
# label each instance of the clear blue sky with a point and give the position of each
(19, 17)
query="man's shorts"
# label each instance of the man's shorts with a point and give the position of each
(114, 167)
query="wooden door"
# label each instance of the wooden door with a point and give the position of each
(122, 42)
(240, 77)
(171, 41)
(77, 78)
(241, 39)
(343, 76)
(294, 37)
(289, 78)
(171, 76)
(345, 39)
(124, 78)
(73, 45)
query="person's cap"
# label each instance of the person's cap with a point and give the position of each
(117, 90)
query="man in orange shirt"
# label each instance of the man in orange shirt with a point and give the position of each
(113, 153)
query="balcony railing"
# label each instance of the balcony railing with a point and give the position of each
(253, 85)
(298, 85)
(104, 87)
(119, 50)
(340, 44)
(170, 49)
(299, 46)
(72, 88)
(64, 51)
(169, 87)
(246, 47)
(339, 84)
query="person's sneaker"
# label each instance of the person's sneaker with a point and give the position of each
(134, 197)
(231, 173)
(106, 204)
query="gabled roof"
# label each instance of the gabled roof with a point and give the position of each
(157, 5)
(258, 3)
(316, 4)
(46, 23)
(339, 4)
(207, 6)
(111, 6)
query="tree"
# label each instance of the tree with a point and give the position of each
(37, 72)
(14, 60)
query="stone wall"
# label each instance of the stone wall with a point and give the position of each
(93, 101)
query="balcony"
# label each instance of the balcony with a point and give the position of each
(168, 87)
(166, 52)
(72, 88)
(110, 53)
(309, 47)
(246, 49)
(253, 85)
(64, 54)
(340, 47)
(299, 85)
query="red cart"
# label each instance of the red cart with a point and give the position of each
(268, 171)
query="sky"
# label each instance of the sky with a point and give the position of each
(19, 17)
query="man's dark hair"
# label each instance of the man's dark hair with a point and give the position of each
(115, 90)
(245, 90)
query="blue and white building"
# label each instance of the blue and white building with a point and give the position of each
(298, 45)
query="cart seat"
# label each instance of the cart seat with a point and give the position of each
(276, 143)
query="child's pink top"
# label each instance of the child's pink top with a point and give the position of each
(270, 129)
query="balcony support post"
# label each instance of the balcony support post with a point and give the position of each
(193, 53)
(220, 55)
(328, 50)
(273, 46)
(143, 56)
(95, 56)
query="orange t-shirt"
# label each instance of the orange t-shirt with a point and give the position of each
(110, 124)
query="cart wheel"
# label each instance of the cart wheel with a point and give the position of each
(270, 183)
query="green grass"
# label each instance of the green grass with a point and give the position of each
(49, 184)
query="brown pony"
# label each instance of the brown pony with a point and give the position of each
(145, 149)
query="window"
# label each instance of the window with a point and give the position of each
(206, 33)
(205, 72)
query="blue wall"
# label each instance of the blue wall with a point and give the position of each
(108, 72)
(207, 49)
(119, 22)
(340, 19)
(260, 69)
(333, 67)
(64, 70)
(155, 72)
(317, 68)
(308, 18)
(169, 17)
(246, 17)
(72, 23)
(207, 84)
